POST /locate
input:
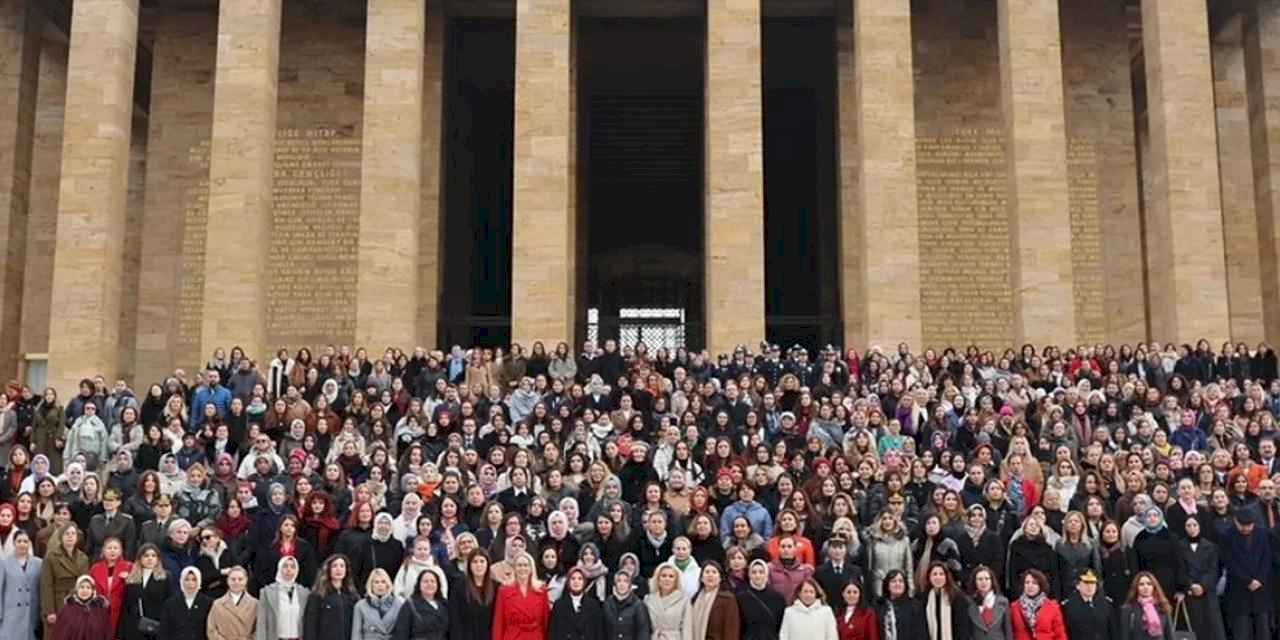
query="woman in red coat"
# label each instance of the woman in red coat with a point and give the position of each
(522, 610)
(856, 620)
(85, 616)
(109, 575)
(1035, 615)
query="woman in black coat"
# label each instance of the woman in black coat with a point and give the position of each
(1204, 566)
(906, 612)
(471, 600)
(1156, 549)
(143, 599)
(185, 616)
(331, 605)
(1030, 550)
(425, 616)
(761, 606)
(625, 616)
(583, 621)
(287, 538)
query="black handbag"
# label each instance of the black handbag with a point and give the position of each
(148, 626)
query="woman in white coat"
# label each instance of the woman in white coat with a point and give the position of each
(809, 617)
(20, 591)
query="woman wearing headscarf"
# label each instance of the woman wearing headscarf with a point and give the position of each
(714, 614)
(425, 615)
(40, 469)
(281, 603)
(1156, 550)
(376, 613)
(578, 615)
(625, 616)
(172, 477)
(762, 607)
(20, 590)
(1204, 564)
(84, 615)
(89, 436)
(64, 562)
(379, 550)
(186, 613)
(267, 517)
(145, 591)
(593, 567)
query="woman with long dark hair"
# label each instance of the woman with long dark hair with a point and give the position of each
(1036, 616)
(287, 543)
(578, 615)
(471, 605)
(714, 614)
(1145, 614)
(988, 610)
(945, 605)
(331, 604)
(856, 619)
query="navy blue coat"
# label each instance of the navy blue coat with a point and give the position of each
(1247, 558)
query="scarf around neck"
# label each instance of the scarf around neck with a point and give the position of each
(1031, 608)
(701, 611)
(1150, 617)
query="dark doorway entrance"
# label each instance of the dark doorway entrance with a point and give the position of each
(802, 291)
(479, 99)
(640, 130)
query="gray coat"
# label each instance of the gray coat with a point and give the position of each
(368, 624)
(268, 605)
(8, 433)
(19, 599)
(1000, 629)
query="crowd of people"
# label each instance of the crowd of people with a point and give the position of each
(627, 494)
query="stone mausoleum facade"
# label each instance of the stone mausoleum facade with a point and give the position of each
(177, 175)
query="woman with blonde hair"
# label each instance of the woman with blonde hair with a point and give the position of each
(376, 613)
(521, 609)
(668, 605)
(145, 591)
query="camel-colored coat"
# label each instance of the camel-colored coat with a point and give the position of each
(230, 621)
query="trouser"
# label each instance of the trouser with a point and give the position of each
(1250, 627)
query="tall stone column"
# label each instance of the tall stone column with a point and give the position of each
(543, 249)
(20, 26)
(734, 176)
(1039, 213)
(391, 175)
(241, 176)
(85, 324)
(430, 246)
(1186, 267)
(1235, 163)
(879, 222)
(1262, 73)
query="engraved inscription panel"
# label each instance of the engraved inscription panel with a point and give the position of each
(1086, 240)
(312, 259)
(315, 225)
(966, 296)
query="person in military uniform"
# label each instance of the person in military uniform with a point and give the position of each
(1088, 613)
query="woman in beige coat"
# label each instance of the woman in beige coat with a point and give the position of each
(63, 564)
(234, 616)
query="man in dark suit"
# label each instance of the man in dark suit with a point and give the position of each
(111, 523)
(1087, 613)
(837, 571)
(1267, 453)
(1247, 553)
